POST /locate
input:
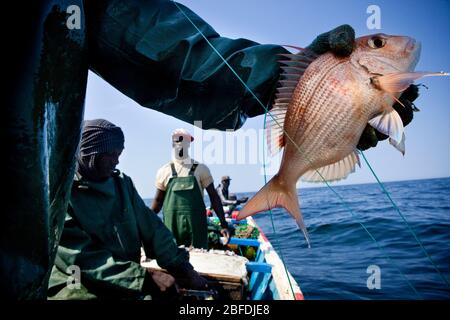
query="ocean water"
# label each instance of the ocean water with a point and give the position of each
(335, 267)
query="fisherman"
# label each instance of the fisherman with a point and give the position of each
(149, 51)
(228, 203)
(179, 191)
(105, 226)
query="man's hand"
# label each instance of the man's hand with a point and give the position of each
(162, 280)
(340, 41)
(242, 200)
(186, 277)
(226, 233)
(196, 281)
(192, 280)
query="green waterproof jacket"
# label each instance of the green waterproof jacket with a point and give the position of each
(105, 227)
(152, 53)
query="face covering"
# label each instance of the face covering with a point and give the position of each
(180, 148)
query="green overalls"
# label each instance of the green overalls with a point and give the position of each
(184, 210)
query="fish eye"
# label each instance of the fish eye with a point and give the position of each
(376, 42)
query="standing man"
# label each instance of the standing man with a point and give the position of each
(223, 192)
(180, 184)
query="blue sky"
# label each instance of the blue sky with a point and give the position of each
(147, 132)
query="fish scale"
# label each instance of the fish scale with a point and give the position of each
(318, 129)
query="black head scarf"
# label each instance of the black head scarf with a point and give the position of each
(98, 136)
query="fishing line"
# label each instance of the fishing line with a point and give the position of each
(394, 205)
(293, 142)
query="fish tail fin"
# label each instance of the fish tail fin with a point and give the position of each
(275, 194)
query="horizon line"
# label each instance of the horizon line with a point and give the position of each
(349, 184)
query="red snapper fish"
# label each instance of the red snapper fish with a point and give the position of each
(322, 108)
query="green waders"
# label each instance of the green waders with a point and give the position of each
(185, 211)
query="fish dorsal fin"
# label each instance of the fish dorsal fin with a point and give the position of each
(335, 171)
(274, 128)
(292, 68)
(390, 124)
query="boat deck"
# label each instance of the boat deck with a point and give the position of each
(244, 269)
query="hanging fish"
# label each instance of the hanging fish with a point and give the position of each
(322, 108)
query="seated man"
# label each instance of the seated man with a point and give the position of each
(228, 203)
(180, 184)
(106, 224)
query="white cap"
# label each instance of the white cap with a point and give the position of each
(182, 132)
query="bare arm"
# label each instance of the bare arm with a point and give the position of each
(216, 204)
(158, 200)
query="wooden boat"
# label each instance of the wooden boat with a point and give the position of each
(244, 269)
(268, 276)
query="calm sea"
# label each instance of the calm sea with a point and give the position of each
(336, 266)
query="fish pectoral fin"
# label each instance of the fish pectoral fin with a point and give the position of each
(398, 82)
(275, 127)
(390, 124)
(335, 171)
(399, 146)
